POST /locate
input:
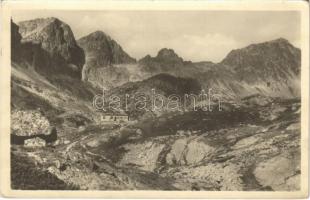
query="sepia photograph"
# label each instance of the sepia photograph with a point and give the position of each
(188, 100)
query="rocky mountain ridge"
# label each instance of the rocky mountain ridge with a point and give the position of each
(270, 68)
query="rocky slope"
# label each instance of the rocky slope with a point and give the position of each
(239, 154)
(258, 152)
(102, 54)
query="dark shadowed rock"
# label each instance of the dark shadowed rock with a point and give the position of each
(15, 41)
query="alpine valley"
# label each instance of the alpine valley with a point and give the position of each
(59, 140)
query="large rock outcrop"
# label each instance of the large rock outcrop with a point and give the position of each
(104, 49)
(51, 47)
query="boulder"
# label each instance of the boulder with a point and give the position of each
(29, 123)
(34, 142)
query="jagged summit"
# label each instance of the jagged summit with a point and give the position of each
(164, 55)
(167, 53)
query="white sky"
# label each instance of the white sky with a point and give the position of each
(194, 35)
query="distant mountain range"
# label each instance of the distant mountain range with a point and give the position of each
(49, 47)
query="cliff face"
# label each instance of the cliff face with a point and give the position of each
(102, 54)
(101, 50)
(15, 41)
(52, 46)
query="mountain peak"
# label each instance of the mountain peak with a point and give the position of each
(279, 40)
(166, 54)
(38, 20)
(97, 35)
(56, 39)
(102, 52)
(38, 29)
(265, 60)
(39, 23)
(105, 50)
(51, 19)
(270, 47)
